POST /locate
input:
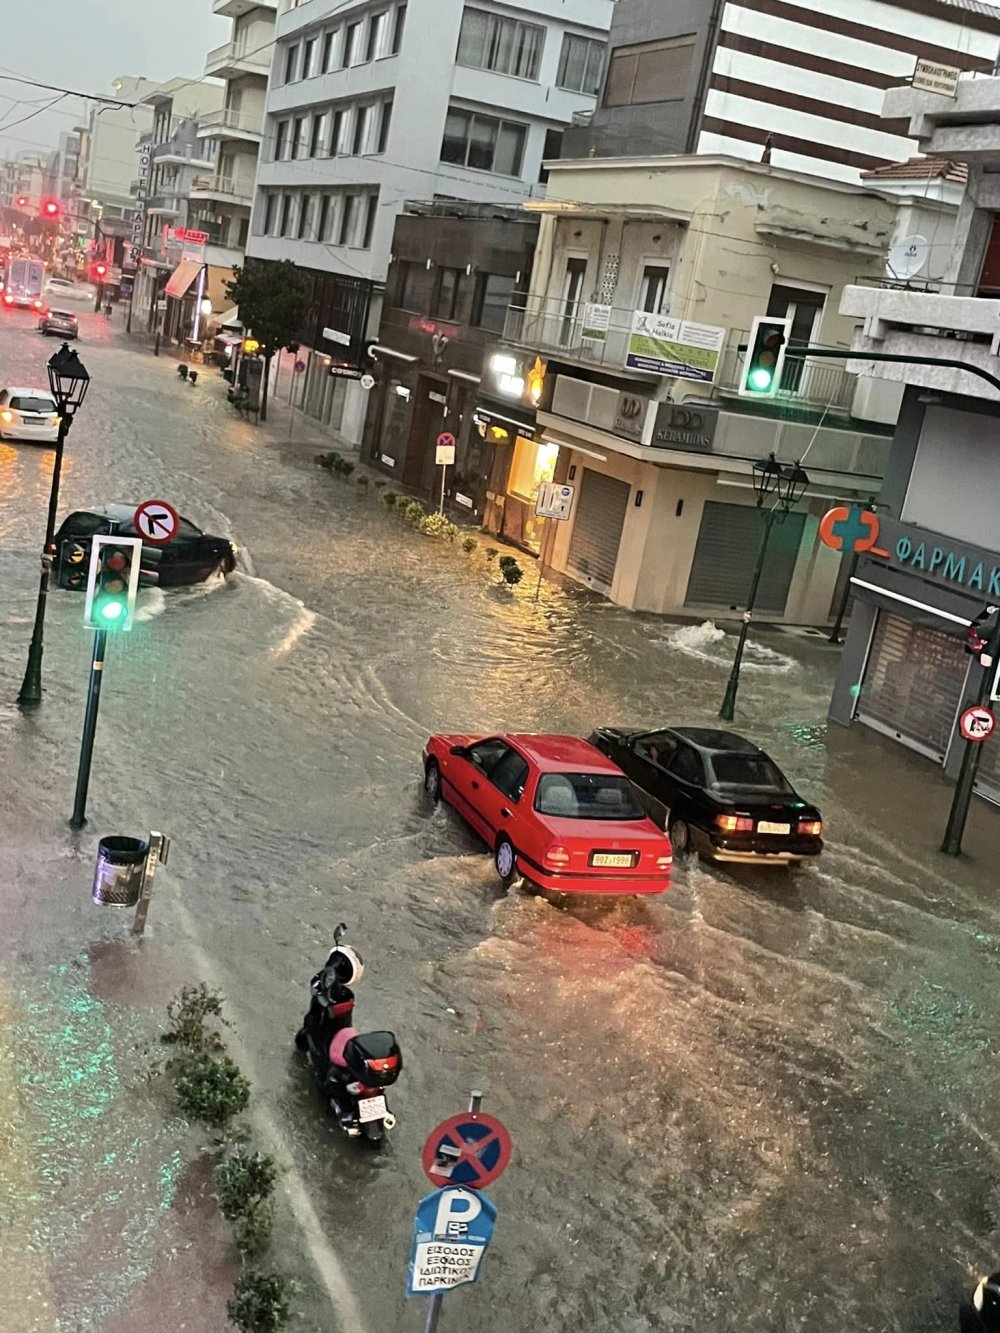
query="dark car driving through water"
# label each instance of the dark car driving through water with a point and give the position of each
(191, 557)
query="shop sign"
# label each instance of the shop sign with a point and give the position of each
(939, 559)
(631, 412)
(674, 347)
(596, 323)
(930, 77)
(514, 376)
(684, 427)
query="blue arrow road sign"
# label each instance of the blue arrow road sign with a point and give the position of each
(452, 1230)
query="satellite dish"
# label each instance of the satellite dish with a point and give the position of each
(907, 258)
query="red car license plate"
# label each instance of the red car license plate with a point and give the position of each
(618, 860)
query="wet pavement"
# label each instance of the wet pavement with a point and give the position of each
(764, 1101)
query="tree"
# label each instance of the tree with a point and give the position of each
(273, 297)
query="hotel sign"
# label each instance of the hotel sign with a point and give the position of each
(930, 77)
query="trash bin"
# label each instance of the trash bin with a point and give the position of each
(118, 877)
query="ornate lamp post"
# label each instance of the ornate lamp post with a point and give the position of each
(69, 381)
(786, 483)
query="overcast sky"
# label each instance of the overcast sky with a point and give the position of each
(86, 44)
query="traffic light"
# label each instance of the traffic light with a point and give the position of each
(50, 208)
(765, 357)
(983, 633)
(112, 582)
(100, 272)
(151, 556)
(71, 567)
(21, 201)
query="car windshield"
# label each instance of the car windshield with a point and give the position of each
(748, 772)
(586, 796)
(62, 314)
(23, 404)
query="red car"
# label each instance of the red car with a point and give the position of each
(554, 810)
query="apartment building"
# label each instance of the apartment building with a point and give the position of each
(371, 104)
(802, 81)
(107, 155)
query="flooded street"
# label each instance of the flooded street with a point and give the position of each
(764, 1101)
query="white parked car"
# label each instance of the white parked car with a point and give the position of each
(63, 289)
(28, 414)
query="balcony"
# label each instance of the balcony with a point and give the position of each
(228, 124)
(234, 9)
(232, 59)
(223, 187)
(558, 326)
(806, 383)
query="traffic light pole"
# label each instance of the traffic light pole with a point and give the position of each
(79, 816)
(31, 687)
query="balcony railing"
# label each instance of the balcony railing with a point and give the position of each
(223, 187)
(560, 326)
(244, 122)
(805, 381)
(238, 53)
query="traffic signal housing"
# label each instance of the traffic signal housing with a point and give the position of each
(100, 272)
(765, 357)
(50, 208)
(71, 566)
(112, 582)
(982, 637)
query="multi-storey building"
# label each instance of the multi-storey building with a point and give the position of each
(802, 81)
(108, 149)
(373, 103)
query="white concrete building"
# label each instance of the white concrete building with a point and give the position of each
(370, 104)
(108, 148)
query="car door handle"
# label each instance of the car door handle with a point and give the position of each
(505, 812)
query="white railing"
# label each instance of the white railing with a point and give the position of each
(226, 118)
(223, 187)
(241, 52)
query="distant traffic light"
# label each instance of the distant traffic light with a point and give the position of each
(112, 582)
(982, 635)
(21, 201)
(765, 357)
(100, 271)
(50, 208)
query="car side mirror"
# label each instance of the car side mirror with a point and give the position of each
(459, 751)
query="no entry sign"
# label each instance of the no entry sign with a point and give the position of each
(977, 723)
(471, 1149)
(156, 522)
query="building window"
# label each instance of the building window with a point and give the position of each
(337, 134)
(654, 296)
(308, 56)
(280, 140)
(291, 63)
(305, 210)
(378, 26)
(397, 29)
(362, 129)
(446, 293)
(580, 64)
(326, 59)
(323, 224)
(551, 150)
(268, 214)
(286, 209)
(576, 270)
(649, 72)
(503, 45)
(318, 136)
(494, 293)
(244, 232)
(352, 45)
(410, 282)
(371, 213)
(482, 143)
(348, 214)
(299, 144)
(805, 310)
(383, 126)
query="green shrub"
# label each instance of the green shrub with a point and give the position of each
(469, 545)
(261, 1303)
(389, 498)
(507, 561)
(512, 573)
(362, 479)
(211, 1090)
(189, 1013)
(436, 525)
(491, 553)
(243, 1181)
(413, 513)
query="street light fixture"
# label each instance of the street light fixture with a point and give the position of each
(69, 381)
(786, 483)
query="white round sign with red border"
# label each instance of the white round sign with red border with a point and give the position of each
(156, 522)
(977, 723)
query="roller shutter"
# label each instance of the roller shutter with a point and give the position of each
(913, 684)
(597, 529)
(726, 552)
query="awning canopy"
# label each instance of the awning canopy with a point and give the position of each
(182, 277)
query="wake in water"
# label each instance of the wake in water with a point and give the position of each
(711, 644)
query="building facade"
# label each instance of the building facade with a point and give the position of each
(455, 268)
(618, 374)
(369, 105)
(107, 167)
(935, 562)
(803, 81)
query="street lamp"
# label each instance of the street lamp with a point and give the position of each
(68, 380)
(786, 483)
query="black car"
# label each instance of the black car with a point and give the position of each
(62, 322)
(191, 557)
(716, 793)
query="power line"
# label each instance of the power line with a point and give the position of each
(12, 77)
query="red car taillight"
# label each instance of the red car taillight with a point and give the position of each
(664, 862)
(734, 823)
(557, 857)
(38, 305)
(8, 300)
(811, 828)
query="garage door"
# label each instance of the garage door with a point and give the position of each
(913, 684)
(724, 558)
(597, 529)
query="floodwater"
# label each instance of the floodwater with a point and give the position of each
(764, 1101)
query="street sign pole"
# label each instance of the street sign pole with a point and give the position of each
(444, 474)
(964, 787)
(542, 529)
(157, 853)
(79, 816)
(434, 1310)
(444, 455)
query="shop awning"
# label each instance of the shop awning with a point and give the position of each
(910, 608)
(182, 277)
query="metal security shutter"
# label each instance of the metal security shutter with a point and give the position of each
(913, 684)
(597, 529)
(726, 552)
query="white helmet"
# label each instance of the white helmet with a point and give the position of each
(347, 964)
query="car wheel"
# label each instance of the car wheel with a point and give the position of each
(505, 860)
(432, 782)
(680, 837)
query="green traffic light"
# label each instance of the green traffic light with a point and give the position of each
(760, 378)
(112, 610)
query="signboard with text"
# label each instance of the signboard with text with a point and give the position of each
(596, 322)
(930, 77)
(451, 1231)
(674, 347)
